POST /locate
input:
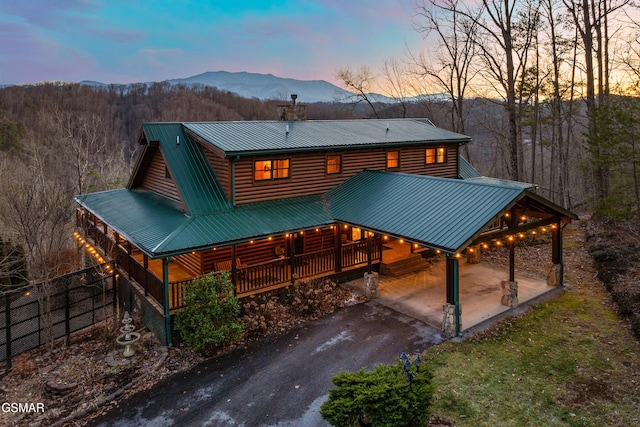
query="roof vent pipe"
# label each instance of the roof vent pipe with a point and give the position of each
(287, 129)
(177, 139)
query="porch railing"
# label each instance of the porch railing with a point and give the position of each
(151, 284)
(314, 263)
(263, 275)
(357, 252)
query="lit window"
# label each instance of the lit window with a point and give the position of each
(436, 155)
(264, 170)
(334, 164)
(393, 159)
(281, 169)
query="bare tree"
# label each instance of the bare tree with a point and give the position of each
(591, 20)
(451, 66)
(13, 268)
(503, 33)
(360, 82)
(398, 83)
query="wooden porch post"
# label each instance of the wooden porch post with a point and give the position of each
(556, 250)
(145, 264)
(453, 297)
(337, 232)
(234, 272)
(292, 257)
(450, 285)
(512, 260)
(167, 309)
(513, 223)
(369, 253)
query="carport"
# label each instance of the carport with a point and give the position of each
(421, 294)
(455, 218)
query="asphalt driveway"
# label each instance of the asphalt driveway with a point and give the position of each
(281, 383)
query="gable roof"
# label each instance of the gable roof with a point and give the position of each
(262, 137)
(192, 174)
(440, 213)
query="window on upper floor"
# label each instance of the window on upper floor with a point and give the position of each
(436, 155)
(264, 170)
(334, 164)
(393, 159)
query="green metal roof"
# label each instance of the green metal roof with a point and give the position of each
(466, 170)
(156, 225)
(192, 173)
(259, 137)
(141, 216)
(441, 213)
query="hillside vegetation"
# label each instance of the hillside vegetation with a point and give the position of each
(568, 361)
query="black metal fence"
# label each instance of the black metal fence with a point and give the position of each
(35, 314)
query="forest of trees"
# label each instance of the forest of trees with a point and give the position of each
(547, 89)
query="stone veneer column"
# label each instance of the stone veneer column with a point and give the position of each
(509, 293)
(371, 282)
(449, 319)
(553, 278)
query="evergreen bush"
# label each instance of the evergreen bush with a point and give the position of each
(382, 397)
(210, 316)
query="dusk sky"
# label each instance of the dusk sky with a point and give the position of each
(123, 41)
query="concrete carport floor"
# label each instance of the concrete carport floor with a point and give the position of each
(421, 295)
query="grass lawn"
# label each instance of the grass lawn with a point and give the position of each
(568, 361)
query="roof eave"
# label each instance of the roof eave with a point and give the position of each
(249, 153)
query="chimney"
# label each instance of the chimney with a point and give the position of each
(292, 112)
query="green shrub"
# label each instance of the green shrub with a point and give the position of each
(210, 318)
(379, 398)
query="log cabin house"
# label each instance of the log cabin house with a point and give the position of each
(277, 201)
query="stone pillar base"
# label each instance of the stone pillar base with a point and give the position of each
(473, 255)
(553, 278)
(509, 293)
(371, 282)
(449, 319)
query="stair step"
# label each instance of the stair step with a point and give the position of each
(407, 265)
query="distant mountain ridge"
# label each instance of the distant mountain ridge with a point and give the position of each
(266, 87)
(261, 86)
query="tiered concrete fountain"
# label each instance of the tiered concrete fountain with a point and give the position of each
(128, 336)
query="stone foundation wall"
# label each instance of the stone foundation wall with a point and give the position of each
(473, 255)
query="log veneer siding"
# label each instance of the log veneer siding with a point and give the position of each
(308, 172)
(155, 179)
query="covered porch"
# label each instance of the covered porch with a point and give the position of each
(422, 294)
(255, 266)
